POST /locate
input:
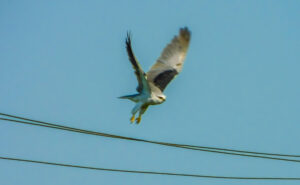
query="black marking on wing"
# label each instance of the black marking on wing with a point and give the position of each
(132, 59)
(164, 78)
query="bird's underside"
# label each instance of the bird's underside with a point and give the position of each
(152, 84)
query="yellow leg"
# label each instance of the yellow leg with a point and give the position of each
(132, 119)
(138, 119)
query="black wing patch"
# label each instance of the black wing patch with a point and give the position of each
(134, 63)
(163, 79)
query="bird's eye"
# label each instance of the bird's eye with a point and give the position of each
(160, 97)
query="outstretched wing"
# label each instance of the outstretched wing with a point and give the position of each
(140, 75)
(170, 63)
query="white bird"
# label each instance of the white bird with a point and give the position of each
(152, 84)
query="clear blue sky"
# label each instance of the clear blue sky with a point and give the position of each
(65, 61)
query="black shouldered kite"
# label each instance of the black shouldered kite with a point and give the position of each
(152, 84)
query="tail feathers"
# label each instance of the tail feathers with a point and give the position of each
(129, 97)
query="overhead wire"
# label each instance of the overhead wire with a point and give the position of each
(123, 137)
(150, 172)
(190, 147)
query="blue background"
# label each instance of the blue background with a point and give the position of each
(65, 62)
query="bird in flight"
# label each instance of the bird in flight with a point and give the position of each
(152, 84)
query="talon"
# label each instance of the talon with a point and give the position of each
(138, 120)
(132, 119)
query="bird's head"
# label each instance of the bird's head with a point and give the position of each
(161, 98)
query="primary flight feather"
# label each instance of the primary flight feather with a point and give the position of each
(152, 84)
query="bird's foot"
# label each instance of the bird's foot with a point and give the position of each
(132, 119)
(138, 119)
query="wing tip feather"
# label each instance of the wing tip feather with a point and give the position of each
(185, 33)
(128, 39)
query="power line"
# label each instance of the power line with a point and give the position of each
(191, 147)
(146, 141)
(141, 140)
(150, 172)
(122, 137)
